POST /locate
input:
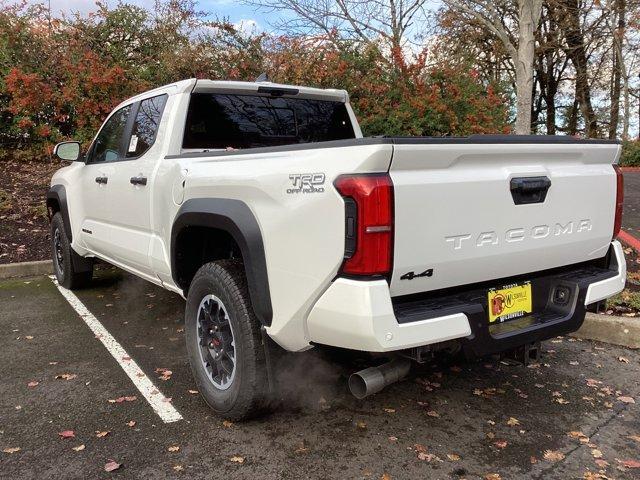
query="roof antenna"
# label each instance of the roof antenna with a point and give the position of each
(263, 77)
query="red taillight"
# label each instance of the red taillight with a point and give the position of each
(369, 223)
(617, 223)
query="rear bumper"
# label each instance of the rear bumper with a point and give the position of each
(362, 315)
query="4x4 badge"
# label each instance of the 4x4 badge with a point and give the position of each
(412, 275)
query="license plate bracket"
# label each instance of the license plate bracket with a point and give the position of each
(509, 302)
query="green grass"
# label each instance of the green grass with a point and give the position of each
(625, 298)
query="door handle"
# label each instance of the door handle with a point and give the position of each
(526, 190)
(102, 180)
(138, 181)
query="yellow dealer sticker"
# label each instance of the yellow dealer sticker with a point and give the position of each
(512, 301)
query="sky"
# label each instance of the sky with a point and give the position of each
(236, 12)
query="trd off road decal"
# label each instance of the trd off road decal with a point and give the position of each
(306, 183)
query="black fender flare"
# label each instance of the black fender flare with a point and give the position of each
(237, 219)
(58, 194)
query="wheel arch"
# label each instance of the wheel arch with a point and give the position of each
(235, 219)
(56, 201)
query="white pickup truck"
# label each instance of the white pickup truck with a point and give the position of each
(264, 206)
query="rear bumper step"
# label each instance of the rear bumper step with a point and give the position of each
(361, 315)
(583, 284)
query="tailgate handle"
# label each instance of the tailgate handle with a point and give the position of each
(525, 190)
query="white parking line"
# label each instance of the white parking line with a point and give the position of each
(160, 404)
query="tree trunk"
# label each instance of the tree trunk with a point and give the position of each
(550, 100)
(572, 124)
(614, 114)
(528, 17)
(619, 11)
(576, 51)
(627, 108)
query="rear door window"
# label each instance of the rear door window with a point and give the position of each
(220, 121)
(145, 127)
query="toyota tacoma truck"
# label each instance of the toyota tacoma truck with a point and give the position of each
(266, 209)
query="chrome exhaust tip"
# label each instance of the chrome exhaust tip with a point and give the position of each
(373, 379)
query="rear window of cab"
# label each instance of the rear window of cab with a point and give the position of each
(222, 121)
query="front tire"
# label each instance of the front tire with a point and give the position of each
(224, 342)
(65, 259)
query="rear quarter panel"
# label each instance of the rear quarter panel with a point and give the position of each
(303, 233)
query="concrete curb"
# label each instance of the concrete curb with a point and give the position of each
(622, 331)
(26, 269)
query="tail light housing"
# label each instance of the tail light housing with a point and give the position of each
(368, 223)
(617, 223)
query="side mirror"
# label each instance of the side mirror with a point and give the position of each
(69, 151)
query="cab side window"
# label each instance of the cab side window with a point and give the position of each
(106, 147)
(146, 125)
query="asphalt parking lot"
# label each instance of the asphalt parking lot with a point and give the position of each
(571, 416)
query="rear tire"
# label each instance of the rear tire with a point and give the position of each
(65, 259)
(224, 342)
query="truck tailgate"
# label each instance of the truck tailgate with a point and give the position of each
(458, 221)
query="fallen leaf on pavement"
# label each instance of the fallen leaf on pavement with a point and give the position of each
(33, 384)
(131, 398)
(390, 410)
(100, 434)
(492, 476)
(512, 422)
(193, 392)
(227, 424)
(453, 457)
(174, 448)
(596, 453)
(553, 455)
(303, 447)
(237, 459)
(428, 457)
(420, 448)
(165, 374)
(601, 463)
(500, 443)
(626, 399)
(385, 476)
(178, 468)
(111, 465)
(393, 439)
(588, 475)
(635, 438)
(631, 463)
(79, 448)
(66, 376)
(623, 360)
(576, 434)
(131, 423)
(361, 425)
(433, 413)
(67, 434)
(11, 450)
